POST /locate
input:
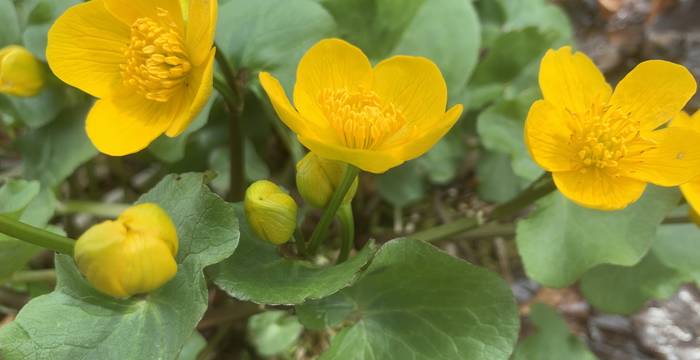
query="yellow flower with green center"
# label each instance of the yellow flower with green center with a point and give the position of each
(373, 118)
(691, 190)
(603, 147)
(150, 66)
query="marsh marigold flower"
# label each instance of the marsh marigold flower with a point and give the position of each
(271, 212)
(691, 190)
(133, 254)
(374, 119)
(149, 66)
(317, 178)
(603, 147)
(21, 74)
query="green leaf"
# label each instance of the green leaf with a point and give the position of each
(445, 31)
(540, 13)
(257, 272)
(416, 302)
(510, 53)
(53, 152)
(193, 347)
(273, 332)
(40, 16)
(36, 208)
(172, 150)
(75, 321)
(271, 35)
(624, 290)
(561, 240)
(552, 341)
(678, 247)
(497, 181)
(500, 129)
(9, 24)
(401, 185)
(39, 110)
(219, 161)
(441, 162)
(15, 195)
(671, 262)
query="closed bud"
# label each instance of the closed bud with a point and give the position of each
(133, 254)
(271, 212)
(317, 179)
(21, 74)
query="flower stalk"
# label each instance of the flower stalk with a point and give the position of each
(538, 189)
(232, 94)
(320, 232)
(36, 236)
(347, 231)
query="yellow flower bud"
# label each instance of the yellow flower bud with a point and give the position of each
(271, 212)
(131, 255)
(317, 179)
(21, 74)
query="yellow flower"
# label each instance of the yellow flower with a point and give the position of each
(691, 190)
(374, 119)
(271, 213)
(317, 178)
(149, 66)
(131, 255)
(603, 147)
(21, 74)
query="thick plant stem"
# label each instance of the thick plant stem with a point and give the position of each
(319, 234)
(33, 276)
(36, 236)
(347, 231)
(104, 210)
(539, 188)
(231, 91)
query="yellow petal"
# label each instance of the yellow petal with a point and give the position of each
(654, 92)
(417, 145)
(151, 220)
(197, 94)
(691, 192)
(86, 46)
(673, 161)
(330, 64)
(571, 80)
(280, 102)
(597, 189)
(129, 11)
(547, 137)
(201, 25)
(414, 85)
(374, 161)
(127, 125)
(683, 120)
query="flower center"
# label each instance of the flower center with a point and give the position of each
(602, 137)
(359, 117)
(156, 62)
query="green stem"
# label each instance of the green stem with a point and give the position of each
(347, 231)
(33, 276)
(103, 210)
(231, 91)
(539, 188)
(319, 234)
(299, 242)
(36, 236)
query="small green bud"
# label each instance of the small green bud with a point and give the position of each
(317, 179)
(271, 212)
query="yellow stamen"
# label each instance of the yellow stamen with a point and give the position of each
(359, 117)
(156, 61)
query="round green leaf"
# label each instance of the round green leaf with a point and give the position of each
(257, 272)
(77, 322)
(553, 339)
(273, 332)
(561, 240)
(416, 302)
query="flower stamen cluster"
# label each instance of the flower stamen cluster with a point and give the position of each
(359, 117)
(156, 60)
